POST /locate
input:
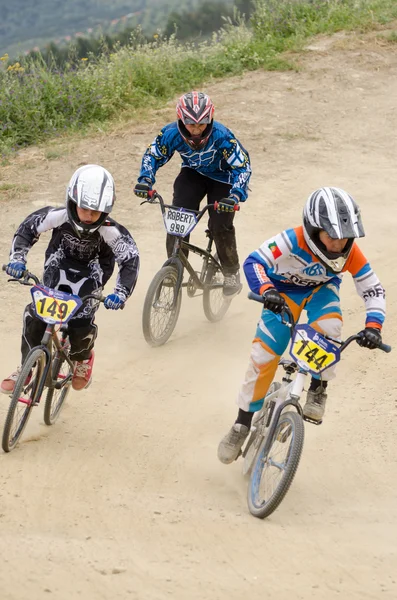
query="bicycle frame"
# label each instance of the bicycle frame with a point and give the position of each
(178, 258)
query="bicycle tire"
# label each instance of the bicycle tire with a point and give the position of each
(152, 337)
(213, 296)
(52, 409)
(263, 509)
(37, 356)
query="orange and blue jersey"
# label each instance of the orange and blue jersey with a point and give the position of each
(287, 263)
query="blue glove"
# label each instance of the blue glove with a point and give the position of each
(143, 188)
(114, 302)
(16, 269)
(227, 204)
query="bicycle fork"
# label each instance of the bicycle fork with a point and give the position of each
(277, 405)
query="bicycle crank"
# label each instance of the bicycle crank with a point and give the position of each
(191, 286)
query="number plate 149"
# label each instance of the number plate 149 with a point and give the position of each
(53, 306)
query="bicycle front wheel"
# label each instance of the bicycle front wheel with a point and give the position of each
(23, 398)
(55, 398)
(215, 304)
(161, 307)
(272, 474)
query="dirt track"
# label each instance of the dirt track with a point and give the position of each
(124, 497)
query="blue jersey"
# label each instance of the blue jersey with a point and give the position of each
(223, 158)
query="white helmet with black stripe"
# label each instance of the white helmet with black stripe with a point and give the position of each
(91, 187)
(334, 211)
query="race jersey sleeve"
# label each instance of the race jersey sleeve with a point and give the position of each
(122, 246)
(368, 287)
(240, 167)
(265, 258)
(158, 153)
(32, 227)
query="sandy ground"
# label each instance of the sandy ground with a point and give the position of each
(124, 497)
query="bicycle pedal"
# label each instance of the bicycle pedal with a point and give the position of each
(313, 421)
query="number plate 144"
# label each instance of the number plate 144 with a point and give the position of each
(313, 351)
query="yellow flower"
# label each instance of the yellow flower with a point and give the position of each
(16, 67)
(4, 57)
(84, 59)
(156, 35)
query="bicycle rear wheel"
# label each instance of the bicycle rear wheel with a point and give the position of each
(161, 307)
(272, 474)
(55, 399)
(215, 304)
(23, 398)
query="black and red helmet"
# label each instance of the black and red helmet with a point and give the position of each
(195, 108)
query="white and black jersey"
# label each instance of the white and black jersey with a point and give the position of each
(79, 265)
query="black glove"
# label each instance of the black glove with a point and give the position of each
(370, 338)
(227, 204)
(273, 301)
(142, 189)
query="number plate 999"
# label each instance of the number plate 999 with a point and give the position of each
(179, 222)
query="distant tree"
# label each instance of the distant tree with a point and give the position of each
(202, 21)
(245, 7)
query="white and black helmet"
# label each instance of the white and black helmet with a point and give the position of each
(90, 187)
(334, 211)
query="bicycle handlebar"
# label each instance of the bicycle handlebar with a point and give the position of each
(292, 324)
(154, 195)
(24, 280)
(286, 310)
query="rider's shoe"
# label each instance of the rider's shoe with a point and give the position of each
(315, 404)
(230, 446)
(232, 285)
(82, 374)
(7, 385)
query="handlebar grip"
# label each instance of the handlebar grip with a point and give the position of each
(256, 297)
(236, 207)
(151, 193)
(385, 348)
(3, 267)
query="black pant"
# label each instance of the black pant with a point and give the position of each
(190, 187)
(82, 334)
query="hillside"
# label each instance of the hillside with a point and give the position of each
(25, 25)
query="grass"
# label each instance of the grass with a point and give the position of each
(54, 154)
(39, 102)
(10, 191)
(392, 37)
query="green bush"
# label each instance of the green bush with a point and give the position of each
(38, 101)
